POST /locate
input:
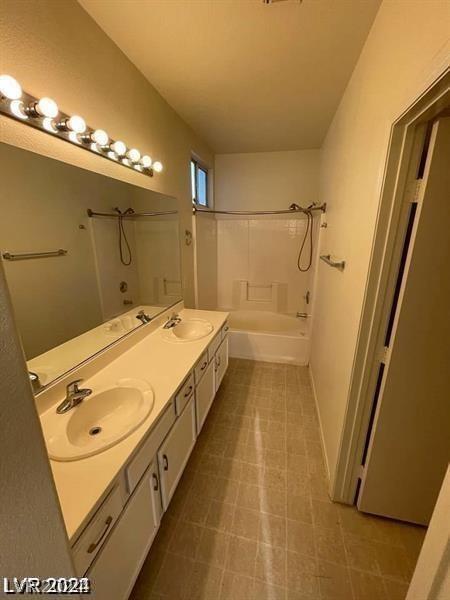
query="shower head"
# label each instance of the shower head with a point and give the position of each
(128, 211)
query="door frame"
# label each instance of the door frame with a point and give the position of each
(405, 147)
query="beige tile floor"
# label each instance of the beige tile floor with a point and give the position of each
(251, 518)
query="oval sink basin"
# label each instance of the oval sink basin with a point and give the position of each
(99, 422)
(189, 330)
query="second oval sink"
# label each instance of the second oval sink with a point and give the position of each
(189, 330)
(99, 422)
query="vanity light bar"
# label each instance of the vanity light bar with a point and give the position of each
(44, 114)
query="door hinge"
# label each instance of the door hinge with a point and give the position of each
(413, 194)
(384, 355)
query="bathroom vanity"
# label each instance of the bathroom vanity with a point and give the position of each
(113, 501)
(123, 375)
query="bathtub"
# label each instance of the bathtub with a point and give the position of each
(268, 336)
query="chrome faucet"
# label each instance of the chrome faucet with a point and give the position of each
(35, 382)
(172, 321)
(143, 317)
(73, 396)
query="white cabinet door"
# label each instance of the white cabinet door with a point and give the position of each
(175, 450)
(118, 563)
(221, 363)
(204, 395)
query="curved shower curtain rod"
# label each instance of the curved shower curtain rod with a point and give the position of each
(294, 208)
(91, 213)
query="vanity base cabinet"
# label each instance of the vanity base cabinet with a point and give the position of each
(204, 396)
(175, 451)
(116, 568)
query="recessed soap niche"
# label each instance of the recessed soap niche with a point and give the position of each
(260, 296)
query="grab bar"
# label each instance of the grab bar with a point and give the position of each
(26, 255)
(337, 264)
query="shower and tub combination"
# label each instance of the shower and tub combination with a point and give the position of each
(269, 320)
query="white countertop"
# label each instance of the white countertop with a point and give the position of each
(81, 484)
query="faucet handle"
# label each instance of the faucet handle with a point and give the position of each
(72, 387)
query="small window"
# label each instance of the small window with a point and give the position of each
(199, 184)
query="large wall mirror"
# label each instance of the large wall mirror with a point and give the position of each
(79, 281)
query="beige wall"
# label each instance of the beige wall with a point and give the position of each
(405, 51)
(54, 48)
(266, 180)
(206, 261)
(33, 540)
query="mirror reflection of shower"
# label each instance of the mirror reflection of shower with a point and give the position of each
(123, 238)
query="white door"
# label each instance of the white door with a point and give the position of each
(175, 451)
(221, 362)
(410, 442)
(118, 563)
(204, 395)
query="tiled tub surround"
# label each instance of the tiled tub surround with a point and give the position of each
(251, 519)
(262, 251)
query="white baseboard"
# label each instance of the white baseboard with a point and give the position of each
(322, 438)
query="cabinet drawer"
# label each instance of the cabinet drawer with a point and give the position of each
(96, 532)
(117, 566)
(201, 367)
(225, 330)
(212, 348)
(185, 392)
(147, 451)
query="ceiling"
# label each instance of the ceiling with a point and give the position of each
(247, 77)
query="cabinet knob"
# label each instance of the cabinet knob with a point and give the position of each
(203, 367)
(155, 482)
(166, 462)
(188, 391)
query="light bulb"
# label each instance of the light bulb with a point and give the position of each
(157, 166)
(17, 108)
(76, 124)
(100, 137)
(119, 148)
(45, 107)
(134, 155)
(48, 125)
(10, 88)
(146, 161)
(73, 137)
